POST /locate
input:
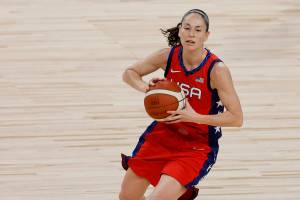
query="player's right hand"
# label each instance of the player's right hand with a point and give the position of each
(155, 80)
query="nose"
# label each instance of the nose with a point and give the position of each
(191, 33)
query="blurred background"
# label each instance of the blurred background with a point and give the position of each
(65, 114)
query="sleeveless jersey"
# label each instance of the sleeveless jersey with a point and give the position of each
(185, 136)
(196, 86)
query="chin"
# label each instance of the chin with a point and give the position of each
(190, 47)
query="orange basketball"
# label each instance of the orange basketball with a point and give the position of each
(162, 97)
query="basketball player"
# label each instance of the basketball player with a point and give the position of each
(175, 153)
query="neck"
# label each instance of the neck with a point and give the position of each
(193, 58)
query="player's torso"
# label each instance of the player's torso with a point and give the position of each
(196, 86)
(194, 83)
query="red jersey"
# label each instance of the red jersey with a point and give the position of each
(196, 86)
(204, 100)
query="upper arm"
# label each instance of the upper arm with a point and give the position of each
(222, 81)
(152, 62)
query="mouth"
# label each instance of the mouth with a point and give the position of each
(190, 42)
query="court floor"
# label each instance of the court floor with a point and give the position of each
(65, 114)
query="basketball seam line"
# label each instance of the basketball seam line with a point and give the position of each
(168, 104)
(178, 95)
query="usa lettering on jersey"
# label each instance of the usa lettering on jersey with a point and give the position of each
(189, 91)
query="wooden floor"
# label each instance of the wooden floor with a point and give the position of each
(65, 114)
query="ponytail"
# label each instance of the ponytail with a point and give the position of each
(172, 35)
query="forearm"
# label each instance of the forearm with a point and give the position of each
(222, 119)
(133, 79)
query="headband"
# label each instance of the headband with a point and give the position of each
(200, 12)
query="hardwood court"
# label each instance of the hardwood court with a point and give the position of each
(65, 114)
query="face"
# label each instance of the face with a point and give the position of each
(192, 32)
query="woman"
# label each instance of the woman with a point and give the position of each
(175, 153)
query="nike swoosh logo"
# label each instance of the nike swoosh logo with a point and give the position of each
(174, 71)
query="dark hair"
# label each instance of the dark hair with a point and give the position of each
(172, 33)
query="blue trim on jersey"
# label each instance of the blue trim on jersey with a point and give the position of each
(187, 72)
(214, 133)
(169, 61)
(209, 71)
(206, 167)
(142, 138)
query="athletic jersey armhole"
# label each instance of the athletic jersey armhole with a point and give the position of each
(169, 61)
(209, 72)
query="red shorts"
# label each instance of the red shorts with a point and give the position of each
(188, 166)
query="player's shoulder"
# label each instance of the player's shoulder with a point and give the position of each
(220, 67)
(160, 57)
(163, 53)
(216, 65)
(220, 71)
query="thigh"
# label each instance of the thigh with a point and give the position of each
(168, 188)
(133, 186)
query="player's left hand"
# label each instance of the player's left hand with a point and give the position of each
(188, 114)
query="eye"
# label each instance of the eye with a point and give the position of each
(186, 28)
(198, 30)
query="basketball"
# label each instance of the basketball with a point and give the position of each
(162, 97)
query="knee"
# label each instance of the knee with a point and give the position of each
(124, 195)
(158, 197)
(163, 195)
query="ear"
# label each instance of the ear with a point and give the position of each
(179, 28)
(207, 35)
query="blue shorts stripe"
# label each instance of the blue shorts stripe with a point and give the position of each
(142, 138)
(206, 167)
